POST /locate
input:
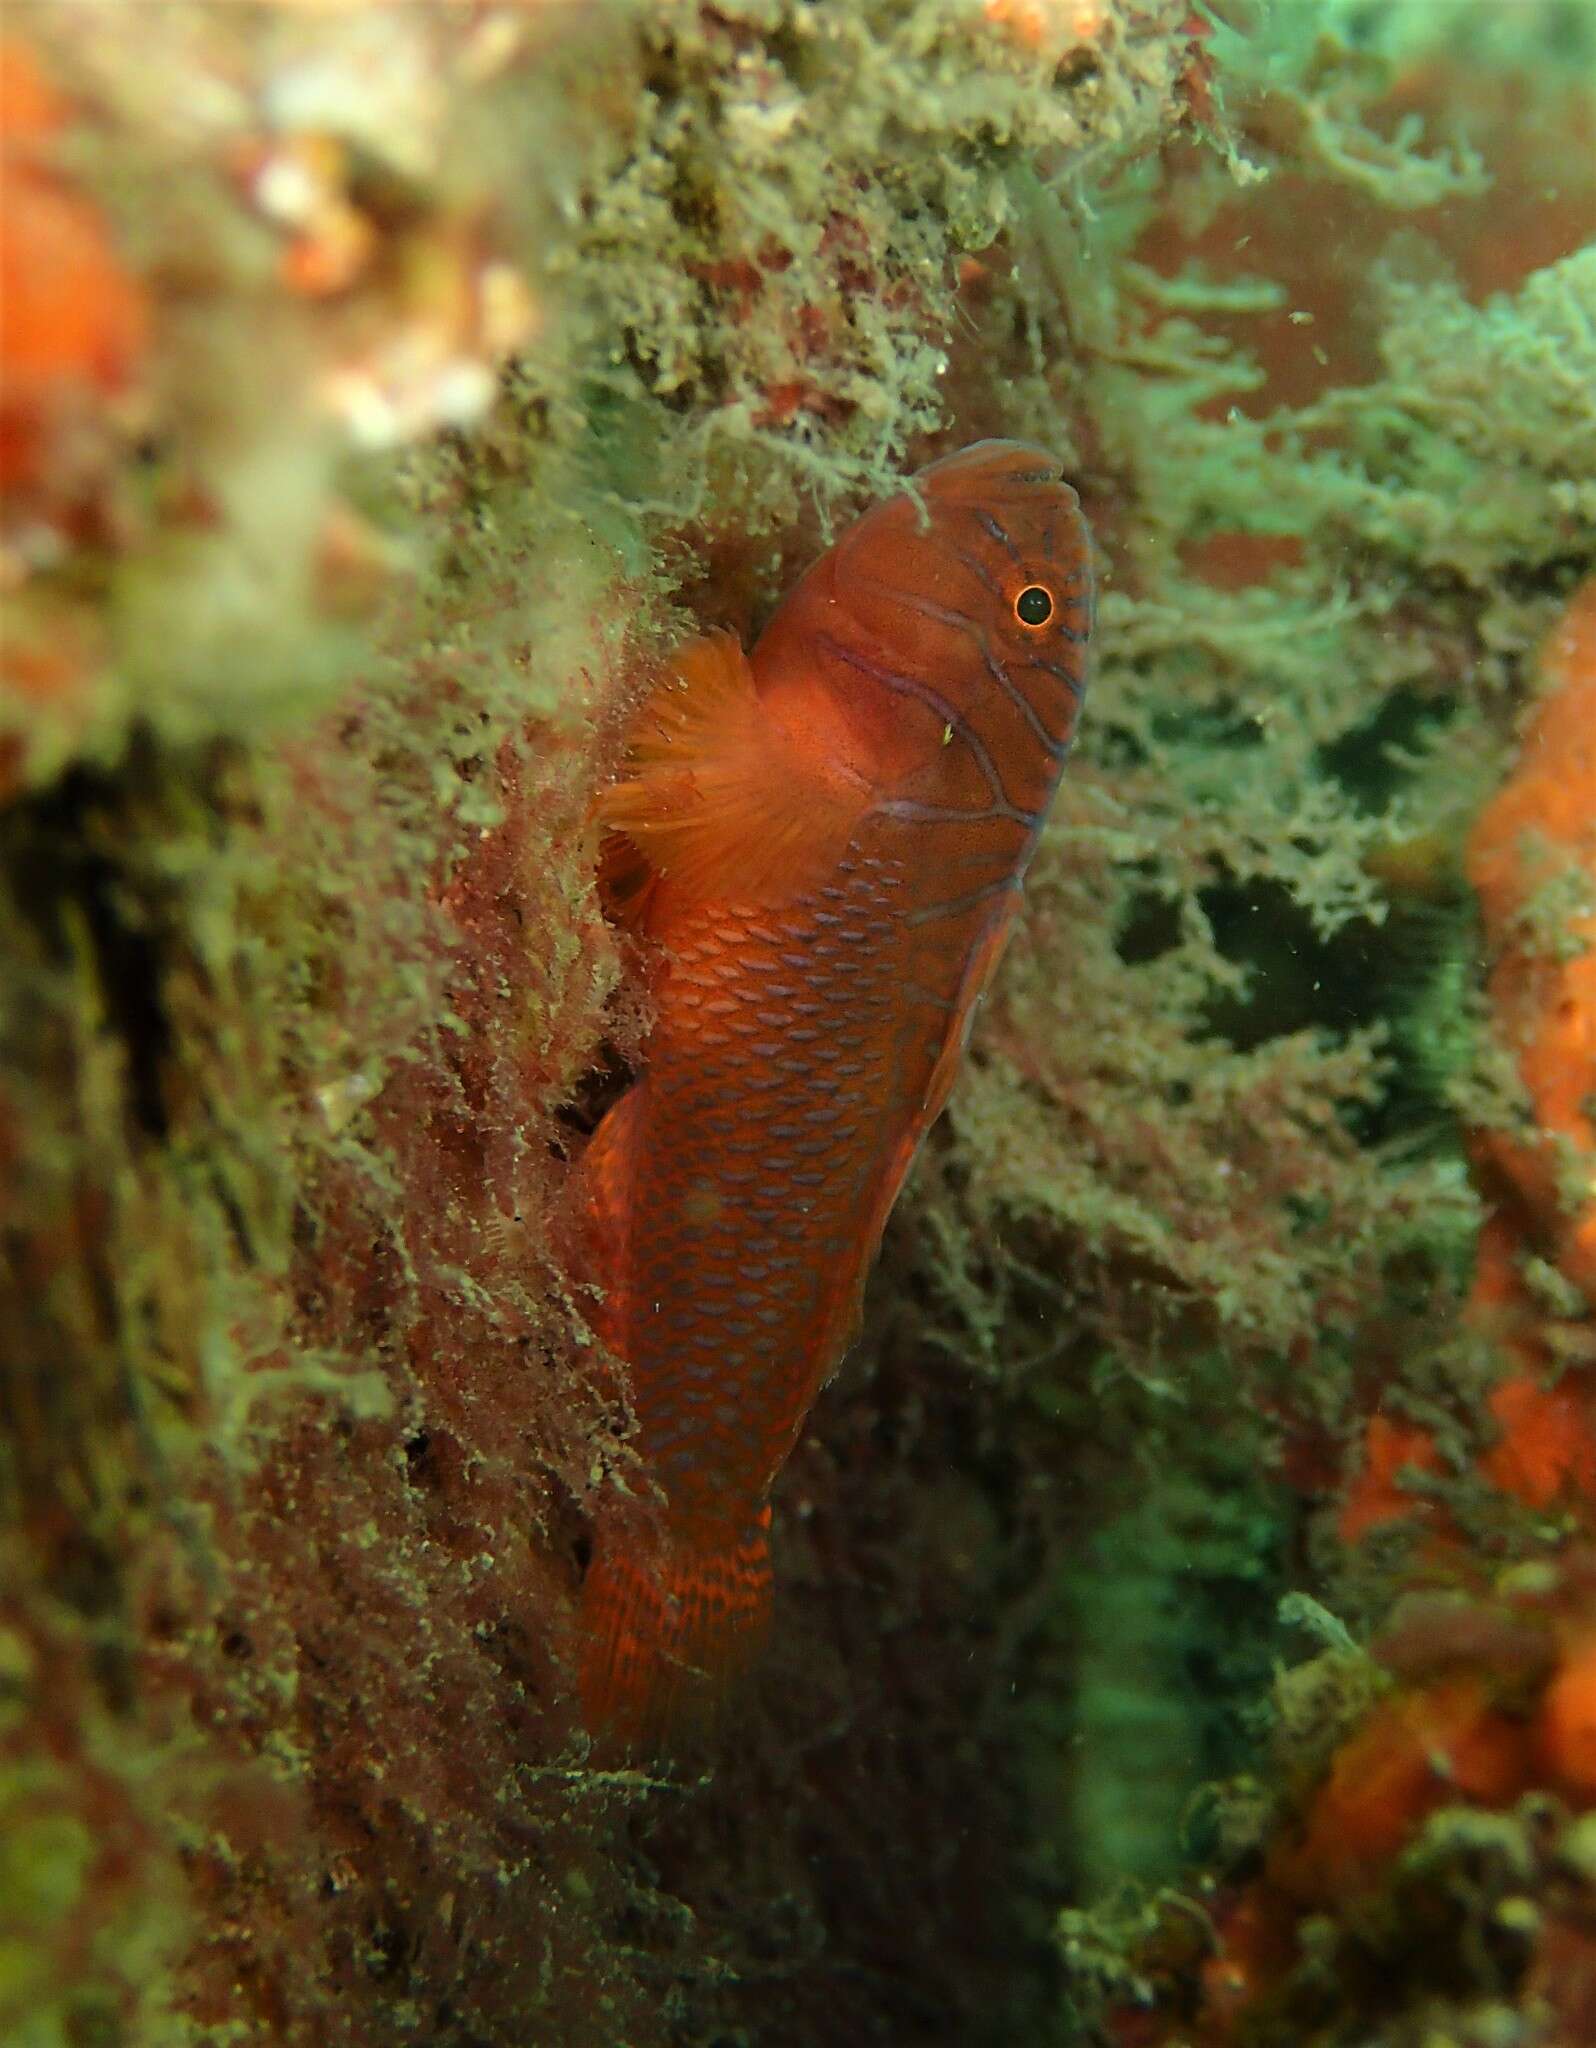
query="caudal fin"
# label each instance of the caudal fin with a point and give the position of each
(662, 1623)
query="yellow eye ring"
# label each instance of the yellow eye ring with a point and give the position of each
(1034, 605)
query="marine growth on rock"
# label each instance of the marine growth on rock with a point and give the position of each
(1180, 1616)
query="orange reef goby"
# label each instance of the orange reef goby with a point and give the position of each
(823, 844)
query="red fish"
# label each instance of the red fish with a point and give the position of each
(825, 842)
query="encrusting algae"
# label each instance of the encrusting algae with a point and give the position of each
(408, 384)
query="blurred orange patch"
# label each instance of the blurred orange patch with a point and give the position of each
(1532, 861)
(1049, 27)
(1567, 1729)
(1377, 1495)
(1413, 1755)
(72, 322)
(1547, 1449)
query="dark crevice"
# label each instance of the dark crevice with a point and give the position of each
(73, 857)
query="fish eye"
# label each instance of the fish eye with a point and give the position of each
(1033, 606)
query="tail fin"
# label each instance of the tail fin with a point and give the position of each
(662, 1622)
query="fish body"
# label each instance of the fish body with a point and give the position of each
(824, 843)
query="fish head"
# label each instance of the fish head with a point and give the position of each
(950, 624)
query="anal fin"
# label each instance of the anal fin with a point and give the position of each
(841, 1325)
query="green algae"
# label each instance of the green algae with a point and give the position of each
(1172, 1605)
(1232, 761)
(773, 258)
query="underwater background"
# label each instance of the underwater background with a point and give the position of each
(1186, 1591)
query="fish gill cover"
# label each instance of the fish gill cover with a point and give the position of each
(1185, 1612)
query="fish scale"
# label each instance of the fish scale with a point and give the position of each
(726, 1200)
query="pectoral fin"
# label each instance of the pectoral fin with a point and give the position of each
(714, 798)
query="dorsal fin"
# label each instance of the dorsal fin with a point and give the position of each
(716, 797)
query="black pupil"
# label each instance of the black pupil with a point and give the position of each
(1034, 606)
